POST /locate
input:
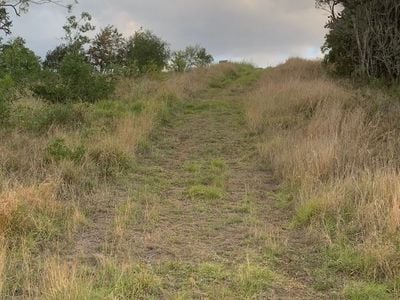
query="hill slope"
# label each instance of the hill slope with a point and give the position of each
(194, 186)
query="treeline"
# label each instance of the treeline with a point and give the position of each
(363, 38)
(84, 68)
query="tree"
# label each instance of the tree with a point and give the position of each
(19, 62)
(108, 49)
(191, 57)
(55, 57)
(18, 7)
(76, 30)
(364, 37)
(147, 51)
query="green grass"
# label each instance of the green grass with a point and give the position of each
(307, 211)
(205, 192)
(243, 75)
(253, 280)
(366, 291)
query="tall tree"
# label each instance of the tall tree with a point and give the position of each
(108, 49)
(76, 37)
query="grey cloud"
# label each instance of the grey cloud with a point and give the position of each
(261, 31)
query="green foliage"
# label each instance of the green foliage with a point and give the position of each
(17, 61)
(55, 57)
(76, 80)
(191, 57)
(147, 52)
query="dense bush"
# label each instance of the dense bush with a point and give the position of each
(75, 80)
(147, 52)
(19, 62)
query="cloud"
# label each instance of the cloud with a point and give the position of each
(261, 31)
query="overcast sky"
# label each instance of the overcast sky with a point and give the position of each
(263, 32)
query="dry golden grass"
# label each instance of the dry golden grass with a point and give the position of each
(339, 149)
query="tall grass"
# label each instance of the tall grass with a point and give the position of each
(339, 149)
(56, 162)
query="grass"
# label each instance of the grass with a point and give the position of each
(336, 147)
(205, 192)
(61, 165)
(367, 291)
(162, 192)
(132, 281)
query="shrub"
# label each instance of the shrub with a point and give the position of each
(76, 80)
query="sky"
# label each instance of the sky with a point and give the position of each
(262, 32)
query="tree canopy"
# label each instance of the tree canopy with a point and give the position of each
(148, 51)
(192, 56)
(363, 37)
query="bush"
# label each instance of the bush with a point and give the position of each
(76, 80)
(19, 62)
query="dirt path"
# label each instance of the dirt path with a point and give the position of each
(198, 213)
